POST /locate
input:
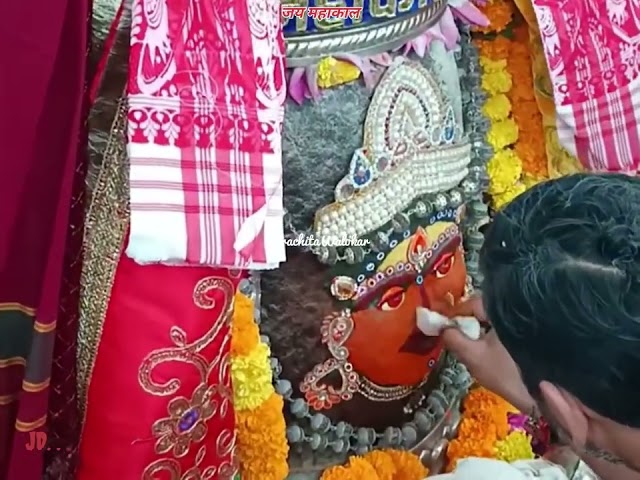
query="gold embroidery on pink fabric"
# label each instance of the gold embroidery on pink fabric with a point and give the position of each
(186, 422)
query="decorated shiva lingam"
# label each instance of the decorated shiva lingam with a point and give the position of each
(402, 175)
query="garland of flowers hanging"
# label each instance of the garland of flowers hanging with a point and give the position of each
(529, 147)
(262, 447)
(379, 465)
(492, 428)
(516, 132)
(505, 167)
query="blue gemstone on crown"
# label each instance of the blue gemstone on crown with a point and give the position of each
(362, 177)
(361, 170)
(448, 135)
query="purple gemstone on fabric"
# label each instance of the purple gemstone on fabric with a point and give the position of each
(188, 420)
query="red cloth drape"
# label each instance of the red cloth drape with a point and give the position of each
(42, 64)
(159, 400)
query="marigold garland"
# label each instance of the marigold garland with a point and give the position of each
(497, 47)
(497, 107)
(484, 424)
(495, 78)
(516, 132)
(530, 146)
(505, 167)
(383, 464)
(408, 466)
(262, 447)
(502, 134)
(379, 465)
(358, 468)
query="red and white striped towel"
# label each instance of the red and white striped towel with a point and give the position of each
(593, 53)
(206, 104)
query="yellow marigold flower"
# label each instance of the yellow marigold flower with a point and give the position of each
(502, 134)
(499, 201)
(517, 446)
(333, 72)
(504, 170)
(251, 377)
(495, 82)
(485, 422)
(497, 107)
(492, 65)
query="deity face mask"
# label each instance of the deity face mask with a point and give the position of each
(386, 346)
(376, 348)
(341, 316)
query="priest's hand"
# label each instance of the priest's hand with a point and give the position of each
(487, 360)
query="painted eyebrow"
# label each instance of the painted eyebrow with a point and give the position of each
(401, 280)
(379, 289)
(447, 247)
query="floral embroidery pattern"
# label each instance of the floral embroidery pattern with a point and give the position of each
(186, 423)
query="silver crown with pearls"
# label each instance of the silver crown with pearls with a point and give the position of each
(412, 146)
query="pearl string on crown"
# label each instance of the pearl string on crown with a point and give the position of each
(412, 147)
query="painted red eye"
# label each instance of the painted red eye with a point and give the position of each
(391, 299)
(444, 264)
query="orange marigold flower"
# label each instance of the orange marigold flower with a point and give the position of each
(383, 464)
(530, 148)
(408, 466)
(499, 13)
(262, 442)
(357, 469)
(245, 335)
(496, 49)
(485, 422)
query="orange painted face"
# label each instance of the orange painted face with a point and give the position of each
(386, 346)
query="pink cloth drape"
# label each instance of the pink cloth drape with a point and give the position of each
(591, 51)
(206, 95)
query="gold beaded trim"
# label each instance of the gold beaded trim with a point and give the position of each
(105, 229)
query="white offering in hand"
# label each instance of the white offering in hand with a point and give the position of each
(432, 323)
